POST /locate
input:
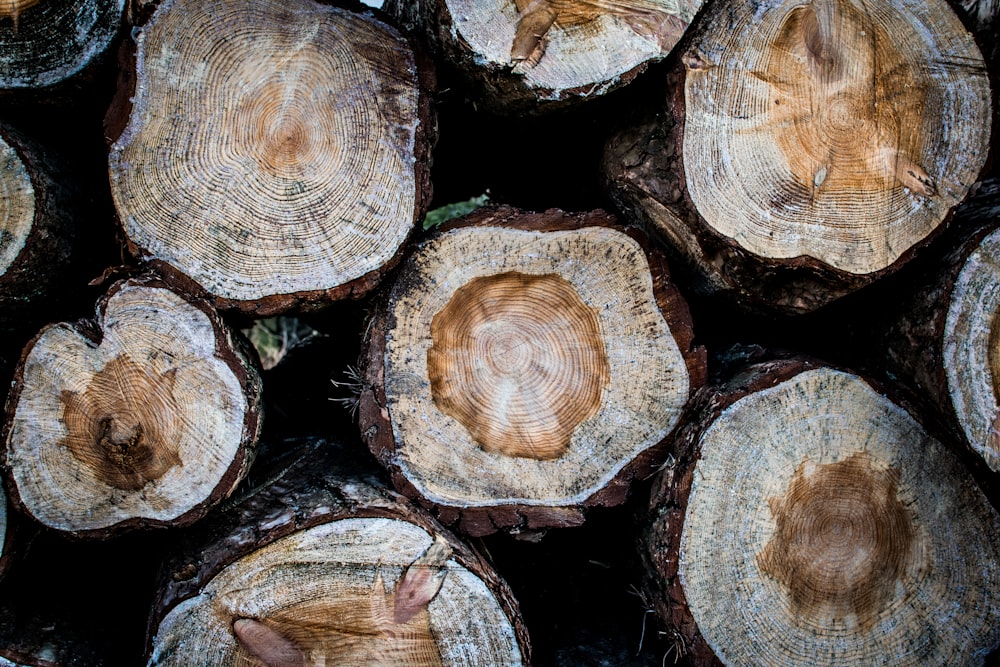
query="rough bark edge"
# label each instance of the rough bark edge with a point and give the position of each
(305, 493)
(494, 86)
(230, 347)
(376, 424)
(117, 117)
(40, 271)
(643, 166)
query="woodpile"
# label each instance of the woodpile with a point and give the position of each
(591, 332)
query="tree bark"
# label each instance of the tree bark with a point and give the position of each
(535, 55)
(524, 367)
(806, 151)
(39, 230)
(48, 47)
(279, 170)
(806, 518)
(327, 566)
(941, 339)
(147, 415)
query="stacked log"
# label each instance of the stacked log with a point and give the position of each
(253, 168)
(328, 566)
(808, 519)
(146, 415)
(538, 55)
(807, 150)
(524, 367)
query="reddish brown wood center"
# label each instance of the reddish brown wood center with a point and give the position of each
(123, 425)
(842, 541)
(519, 361)
(14, 8)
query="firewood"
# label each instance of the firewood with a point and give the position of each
(809, 519)
(40, 229)
(942, 337)
(46, 43)
(147, 415)
(328, 566)
(275, 155)
(524, 367)
(534, 55)
(811, 148)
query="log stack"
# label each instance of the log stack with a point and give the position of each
(548, 432)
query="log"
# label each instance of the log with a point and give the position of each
(40, 230)
(524, 367)
(540, 55)
(328, 566)
(941, 338)
(146, 415)
(809, 519)
(47, 44)
(256, 167)
(806, 151)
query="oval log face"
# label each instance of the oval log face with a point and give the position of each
(519, 361)
(17, 205)
(330, 595)
(834, 129)
(824, 526)
(255, 161)
(145, 424)
(971, 349)
(527, 366)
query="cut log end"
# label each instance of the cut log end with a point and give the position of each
(516, 393)
(833, 124)
(12, 9)
(154, 421)
(326, 188)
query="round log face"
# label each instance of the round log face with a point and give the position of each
(590, 42)
(110, 432)
(43, 42)
(971, 349)
(17, 206)
(325, 596)
(849, 536)
(833, 130)
(543, 399)
(256, 160)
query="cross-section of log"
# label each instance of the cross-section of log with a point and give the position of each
(808, 519)
(525, 366)
(147, 415)
(811, 147)
(276, 152)
(46, 42)
(38, 229)
(943, 338)
(326, 567)
(524, 55)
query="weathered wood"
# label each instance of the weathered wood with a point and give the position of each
(147, 415)
(276, 154)
(328, 566)
(534, 55)
(806, 151)
(524, 367)
(940, 337)
(47, 44)
(808, 519)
